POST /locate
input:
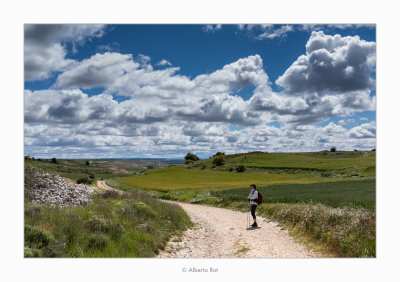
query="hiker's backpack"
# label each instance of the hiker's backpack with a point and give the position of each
(260, 199)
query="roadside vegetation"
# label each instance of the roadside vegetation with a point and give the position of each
(133, 225)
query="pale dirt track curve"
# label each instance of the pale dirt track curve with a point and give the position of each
(102, 184)
(222, 233)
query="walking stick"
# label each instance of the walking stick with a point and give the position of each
(248, 216)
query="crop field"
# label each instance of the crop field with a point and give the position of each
(179, 177)
(335, 194)
(261, 168)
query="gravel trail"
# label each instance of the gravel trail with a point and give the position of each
(102, 184)
(222, 233)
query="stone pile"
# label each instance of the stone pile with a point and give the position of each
(51, 189)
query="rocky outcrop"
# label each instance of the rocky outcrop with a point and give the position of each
(51, 189)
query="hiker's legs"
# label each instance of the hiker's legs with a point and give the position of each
(253, 212)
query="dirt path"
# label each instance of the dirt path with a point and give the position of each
(222, 233)
(102, 184)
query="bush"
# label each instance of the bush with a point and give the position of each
(98, 241)
(38, 237)
(219, 154)
(241, 168)
(97, 224)
(87, 163)
(191, 158)
(144, 210)
(218, 161)
(54, 160)
(333, 149)
(84, 180)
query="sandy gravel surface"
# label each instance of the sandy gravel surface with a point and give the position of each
(102, 184)
(222, 233)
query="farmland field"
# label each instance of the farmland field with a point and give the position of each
(179, 177)
(263, 169)
(335, 194)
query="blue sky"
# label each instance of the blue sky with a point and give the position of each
(95, 91)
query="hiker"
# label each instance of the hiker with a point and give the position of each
(253, 202)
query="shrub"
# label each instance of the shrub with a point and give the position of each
(219, 154)
(144, 210)
(218, 161)
(37, 237)
(84, 180)
(54, 160)
(333, 149)
(241, 168)
(53, 249)
(87, 163)
(97, 224)
(98, 241)
(32, 252)
(191, 158)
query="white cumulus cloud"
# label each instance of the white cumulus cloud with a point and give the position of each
(331, 64)
(44, 46)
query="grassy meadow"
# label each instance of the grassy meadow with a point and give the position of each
(112, 226)
(333, 164)
(261, 168)
(181, 178)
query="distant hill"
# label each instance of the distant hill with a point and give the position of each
(341, 162)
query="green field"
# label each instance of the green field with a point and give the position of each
(179, 177)
(261, 168)
(335, 194)
(356, 163)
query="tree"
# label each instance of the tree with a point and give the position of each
(191, 158)
(87, 163)
(219, 154)
(219, 160)
(54, 160)
(333, 149)
(241, 168)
